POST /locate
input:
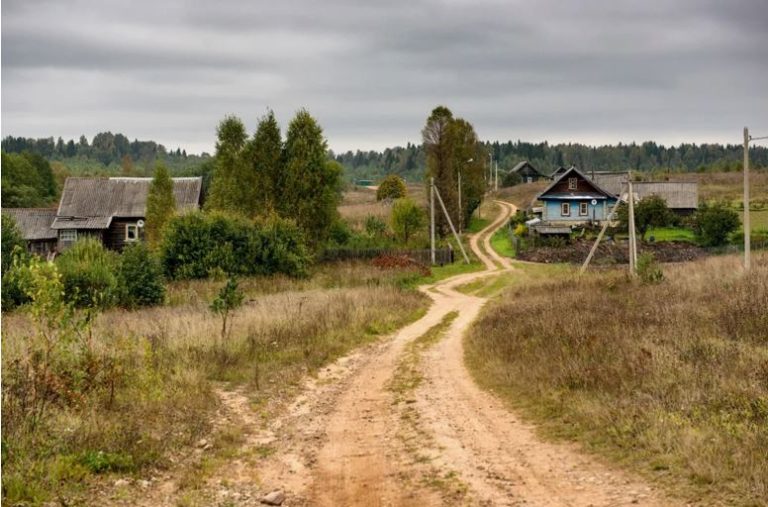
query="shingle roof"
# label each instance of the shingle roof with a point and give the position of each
(560, 195)
(612, 182)
(104, 198)
(33, 223)
(524, 163)
(679, 195)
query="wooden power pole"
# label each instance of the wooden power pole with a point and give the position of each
(432, 218)
(632, 233)
(747, 229)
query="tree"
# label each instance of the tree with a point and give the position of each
(392, 187)
(139, 277)
(714, 223)
(161, 204)
(227, 188)
(312, 185)
(27, 181)
(651, 211)
(229, 299)
(12, 242)
(438, 144)
(407, 218)
(266, 168)
(452, 148)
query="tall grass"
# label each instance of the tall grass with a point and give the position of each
(159, 366)
(671, 378)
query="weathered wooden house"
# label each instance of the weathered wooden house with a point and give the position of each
(527, 172)
(681, 197)
(574, 199)
(558, 172)
(35, 227)
(113, 209)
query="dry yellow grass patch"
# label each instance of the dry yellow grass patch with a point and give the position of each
(670, 379)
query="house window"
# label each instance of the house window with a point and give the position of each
(573, 183)
(565, 209)
(131, 232)
(68, 235)
(583, 209)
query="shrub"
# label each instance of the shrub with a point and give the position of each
(521, 230)
(375, 227)
(88, 274)
(139, 277)
(12, 242)
(392, 187)
(511, 179)
(648, 269)
(407, 218)
(196, 244)
(714, 223)
(652, 211)
(14, 281)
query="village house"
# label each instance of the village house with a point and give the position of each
(575, 199)
(35, 227)
(682, 198)
(528, 173)
(113, 210)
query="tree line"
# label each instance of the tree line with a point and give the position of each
(409, 162)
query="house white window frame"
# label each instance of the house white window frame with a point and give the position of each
(583, 209)
(565, 209)
(68, 235)
(573, 183)
(135, 237)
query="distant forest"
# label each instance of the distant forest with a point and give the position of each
(409, 161)
(110, 154)
(107, 153)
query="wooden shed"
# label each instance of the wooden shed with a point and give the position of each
(527, 172)
(113, 209)
(35, 227)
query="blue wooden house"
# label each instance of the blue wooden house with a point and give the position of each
(574, 199)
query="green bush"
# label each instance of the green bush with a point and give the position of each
(15, 280)
(407, 219)
(12, 242)
(139, 277)
(88, 274)
(714, 223)
(198, 244)
(648, 269)
(392, 187)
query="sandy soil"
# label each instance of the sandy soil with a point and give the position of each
(345, 441)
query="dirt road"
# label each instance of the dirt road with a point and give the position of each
(402, 423)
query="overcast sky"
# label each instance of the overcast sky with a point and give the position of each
(594, 72)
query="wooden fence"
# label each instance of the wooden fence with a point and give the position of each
(423, 256)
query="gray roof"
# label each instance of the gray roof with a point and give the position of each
(679, 195)
(612, 182)
(33, 223)
(524, 163)
(560, 195)
(90, 203)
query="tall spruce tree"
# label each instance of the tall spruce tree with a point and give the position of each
(312, 183)
(161, 204)
(228, 188)
(265, 179)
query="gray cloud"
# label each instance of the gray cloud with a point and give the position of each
(588, 71)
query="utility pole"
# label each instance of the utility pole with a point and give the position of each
(747, 228)
(632, 234)
(432, 218)
(450, 223)
(497, 176)
(461, 210)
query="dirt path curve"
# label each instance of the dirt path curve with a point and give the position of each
(476, 440)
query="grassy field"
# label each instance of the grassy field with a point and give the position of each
(670, 380)
(524, 194)
(502, 243)
(135, 390)
(671, 234)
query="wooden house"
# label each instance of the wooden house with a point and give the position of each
(35, 227)
(574, 199)
(113, 210)
(681, 197)
(528, 173)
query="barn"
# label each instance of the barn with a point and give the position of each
(35, 227)
(113, 210)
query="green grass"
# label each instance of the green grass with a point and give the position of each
(757, 219)
(502, 243)
(477, 224)
(677, 234)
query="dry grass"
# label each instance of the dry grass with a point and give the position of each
(359, 203)
(523, 195)
(726, 186)
(669, 379)
(166, 361)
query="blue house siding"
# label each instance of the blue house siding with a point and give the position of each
(596, 212)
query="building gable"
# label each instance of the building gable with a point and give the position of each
(573, 185)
